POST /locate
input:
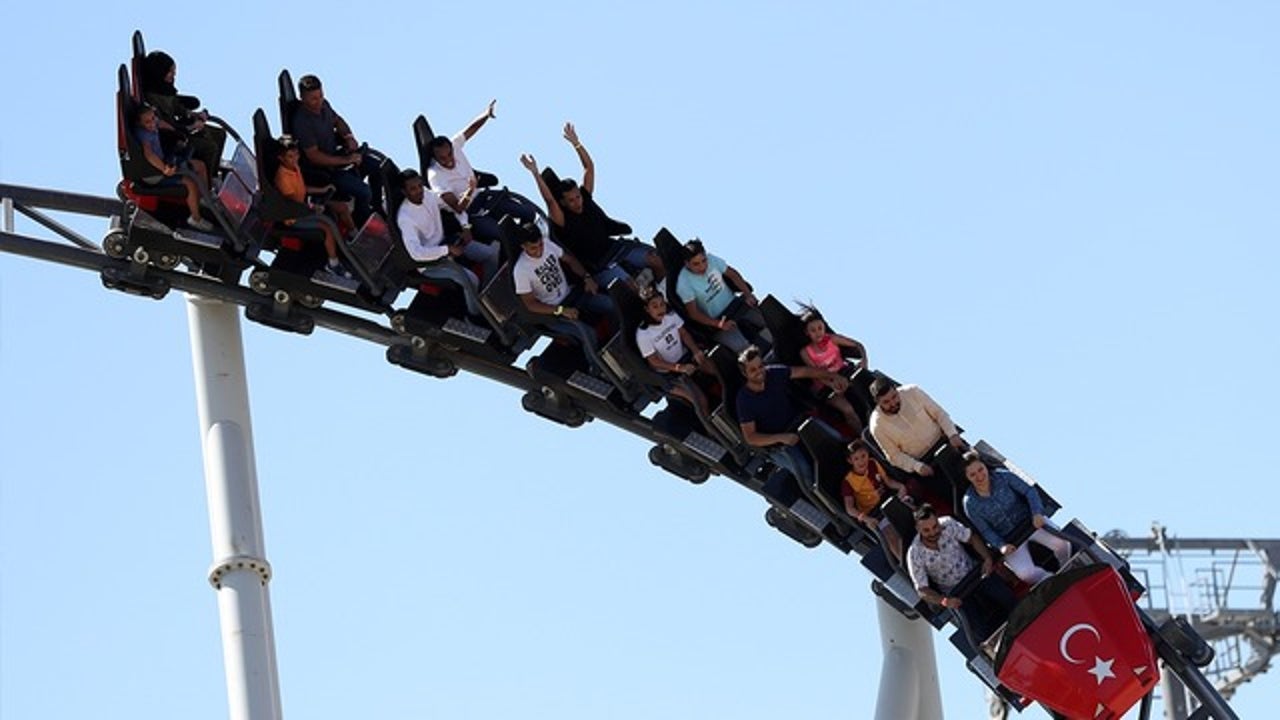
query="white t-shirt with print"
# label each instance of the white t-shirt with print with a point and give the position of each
(663, 338)
(543, 276)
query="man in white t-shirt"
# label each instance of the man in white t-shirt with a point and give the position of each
(450, 173)
(546, 290)
(433, 249)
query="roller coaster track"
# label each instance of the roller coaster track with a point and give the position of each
(449, 357)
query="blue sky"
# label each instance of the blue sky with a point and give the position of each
(1057, 219)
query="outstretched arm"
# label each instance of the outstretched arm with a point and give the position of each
(588, 167)
(832, 380)
(553, 208)
(855, 346)
(481, 119)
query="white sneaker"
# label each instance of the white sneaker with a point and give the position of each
(199, 224)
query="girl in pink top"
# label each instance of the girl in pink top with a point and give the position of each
(826, 351)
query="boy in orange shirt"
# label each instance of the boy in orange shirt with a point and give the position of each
(290, 184)
(864, 488)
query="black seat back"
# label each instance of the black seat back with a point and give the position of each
(288, 99)
(629, 309)
(273, 206)
(422, 137)
(788, 333)
(133, 162)
(830, 462)
(672, 253)
(827, 449)
(135, 63)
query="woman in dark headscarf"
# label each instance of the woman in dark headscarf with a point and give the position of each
(179, 111)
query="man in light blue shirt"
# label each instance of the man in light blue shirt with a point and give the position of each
(706, 287)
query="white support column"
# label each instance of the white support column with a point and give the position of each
(1174, 695)
(909, 675)
(7, 204)
(240, 571)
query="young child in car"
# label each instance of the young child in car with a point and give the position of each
(289, 182)
(825, 351)
(865, 486)
(147, 131)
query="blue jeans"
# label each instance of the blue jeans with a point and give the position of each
(795, 460)
(488, 208)
(597, 305)
(350, 183)
(447, 269)
(630, 258)
(485, 253)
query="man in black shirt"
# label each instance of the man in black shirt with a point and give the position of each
(584, 229)
(330, 153)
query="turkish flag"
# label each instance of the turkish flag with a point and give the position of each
(1075, 644)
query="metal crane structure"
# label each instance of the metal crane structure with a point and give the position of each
(1225, 587)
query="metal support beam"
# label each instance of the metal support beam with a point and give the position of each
(1173, 695)
(240, 571)
(909, 674)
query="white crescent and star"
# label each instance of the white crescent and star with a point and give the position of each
(1101, 668)
(1066, 638)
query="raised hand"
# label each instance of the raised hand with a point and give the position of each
(492, 110)
(571, 135)
(529, 163)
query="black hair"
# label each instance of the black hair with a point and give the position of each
(527, 231)
(970, 457)
(408, 174)
(566, 185)
(809, 313)
(880, 387)
(647, 293)
(307, 83)
(924, 512)
(438, 141)
(140, 110)
(693, 249)
(751, 352)
(857, 445)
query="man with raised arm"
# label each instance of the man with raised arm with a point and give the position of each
(937, 563)
(583, 227)
(450, 173)
(330, 152)
(766, 415)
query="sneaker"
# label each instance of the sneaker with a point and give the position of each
(200, 224)
(338, 271)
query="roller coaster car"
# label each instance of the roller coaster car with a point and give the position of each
(298, 266)
(438, 310)
(671, 251)
(698, 440)
(152, 231)
(789, 339)
(191, 102)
